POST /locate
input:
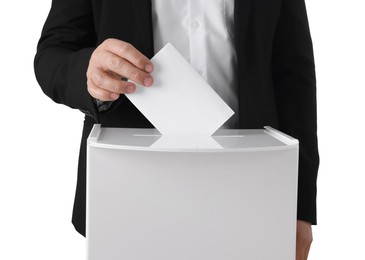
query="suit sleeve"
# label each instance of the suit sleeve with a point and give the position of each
(63, 52)
(295, 90)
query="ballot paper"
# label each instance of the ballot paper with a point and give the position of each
(179, 102)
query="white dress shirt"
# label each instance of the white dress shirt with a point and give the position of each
(202, 31)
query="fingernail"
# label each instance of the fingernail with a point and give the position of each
(148, 81)
(129, 89)
(148, 68)
(114, 96)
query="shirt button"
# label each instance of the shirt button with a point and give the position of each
(195, 24)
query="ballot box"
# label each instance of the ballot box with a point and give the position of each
(230, 196)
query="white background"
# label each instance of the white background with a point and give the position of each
(39, 140)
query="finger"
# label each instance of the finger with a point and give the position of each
(111, 82)
(100, 93)
(111, 62)
(128, 52)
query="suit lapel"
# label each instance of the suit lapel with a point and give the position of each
(249, 96)
(242, 12)
(143, 14)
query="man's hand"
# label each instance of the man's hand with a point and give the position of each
(304, 239)
(110, 62)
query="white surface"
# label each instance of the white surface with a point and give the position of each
(186, 142)
(31, 184)
(181, 203)
(180, 101)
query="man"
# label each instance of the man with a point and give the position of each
(88, 46)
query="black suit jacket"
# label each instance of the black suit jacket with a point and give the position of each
(276, 73)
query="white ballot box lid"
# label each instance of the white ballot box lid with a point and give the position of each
(223, 140)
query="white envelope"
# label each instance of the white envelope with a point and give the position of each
(180, 101)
